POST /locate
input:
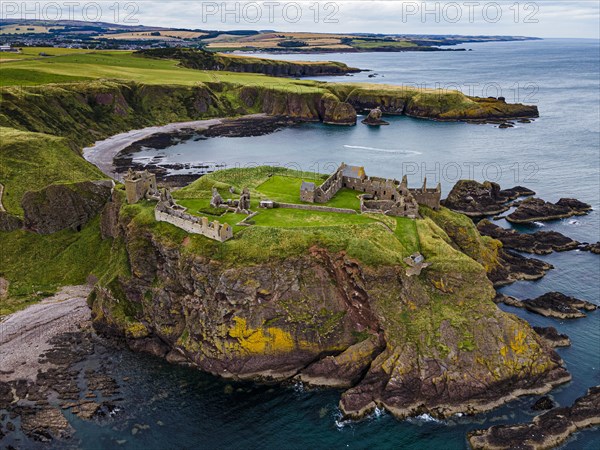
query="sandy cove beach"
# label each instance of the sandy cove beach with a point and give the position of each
(102, 153)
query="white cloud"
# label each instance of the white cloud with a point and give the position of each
(545, 18)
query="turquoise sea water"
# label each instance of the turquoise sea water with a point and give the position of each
(557, 156)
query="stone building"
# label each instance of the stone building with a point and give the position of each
(388, 196)
(139, 185)
(167, 210)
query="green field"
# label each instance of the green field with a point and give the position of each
(372, 43)
(126, 66)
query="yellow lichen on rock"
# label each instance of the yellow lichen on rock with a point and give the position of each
(260, 341)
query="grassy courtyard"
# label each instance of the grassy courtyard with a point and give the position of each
(283, 185)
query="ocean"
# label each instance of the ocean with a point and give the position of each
(558, 155)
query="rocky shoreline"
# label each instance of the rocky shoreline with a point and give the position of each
(245, 126)
(42, 378)
(476, 200)
(535, 210)
(551, 304)
(546, 431)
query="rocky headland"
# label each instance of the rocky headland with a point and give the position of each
(204, 60)
(476, 199)
(540, 242)
(551, 304)
(537, 210)
(546, 431)
(302, 310)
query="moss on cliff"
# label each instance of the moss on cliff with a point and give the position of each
(32, 161)
(37, 265)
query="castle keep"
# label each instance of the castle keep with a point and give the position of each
(381, 195)
(139, 185)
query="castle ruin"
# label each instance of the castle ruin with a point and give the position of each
(192, 224)
(140, 185)
(381, 195)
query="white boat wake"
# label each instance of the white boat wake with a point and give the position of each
(384, 150)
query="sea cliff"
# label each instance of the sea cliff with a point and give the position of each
(329, 307)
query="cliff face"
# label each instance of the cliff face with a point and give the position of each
(204, 60)
(434, 343)
(88, 111)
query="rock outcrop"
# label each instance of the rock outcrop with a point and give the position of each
(546, 431)
(397, 342)
(62, 206)
(594, 248)
(551, 304)
(476, 199)
(540, 242)
(374, 118)
(553, 337)
(560, 306)
(335, 112)
(9, 222)
(543, 404)
(536, 209)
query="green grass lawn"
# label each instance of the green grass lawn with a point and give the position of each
(287, 190)
(292, 218)
(406, 232)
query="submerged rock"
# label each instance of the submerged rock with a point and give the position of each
(536, 209)
(546, 431)
(540, 242)
(594, 248)
(543, 404)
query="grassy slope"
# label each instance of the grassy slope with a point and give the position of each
(31, 161)
(69, 109)
(37, 265)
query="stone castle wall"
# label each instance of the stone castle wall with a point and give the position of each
(429, 197)
(381, 188)
(192, 224)
(139, 185)
(329, 188)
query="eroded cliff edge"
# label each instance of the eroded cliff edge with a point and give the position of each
(85, 112)
(271, 305)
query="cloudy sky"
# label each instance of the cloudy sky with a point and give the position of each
(542, 18)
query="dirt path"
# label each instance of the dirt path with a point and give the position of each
(1, 192)
(24, 335)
